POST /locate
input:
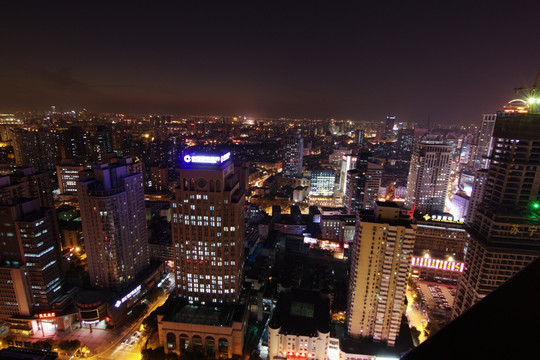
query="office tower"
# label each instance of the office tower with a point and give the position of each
(208, 230)
(374, 174)
(159, 176)
(322, 182)
(27, 238)
(389, 129)
(381, 255)
(460, 205)
(477, 192)
(98, 143)
(429, 174)
(363, 183)
(73, 143)
(114, 224)
(485, 142)
(348, 162)
(293, 156)
(16, 299)
(353, 191)
(68, 176)
(25, 182)
(504, 225)
(37, 149)
(405, 142)
(360, 137)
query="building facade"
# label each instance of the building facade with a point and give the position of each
(300, 326)
(429, 175)
(485, 142)
(114, 225)
(29, 239)
(323, 182)
(208, 230)
(381, 258)
(293, 156)
(504, 225)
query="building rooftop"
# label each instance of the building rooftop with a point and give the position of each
(214, 315)
(301, 312)
(15, 353)
(367, 346)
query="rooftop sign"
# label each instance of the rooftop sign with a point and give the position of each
(455, 266)
(207, 159)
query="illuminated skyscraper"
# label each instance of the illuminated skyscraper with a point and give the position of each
(429, 175)
(114, 225)
(381, 256)
(363, 183)
(208, 230)
(293, 156)
(28, 239)
(485, 142)
(323, 182)
(505, 224)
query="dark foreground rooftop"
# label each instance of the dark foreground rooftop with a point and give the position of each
(503, 325)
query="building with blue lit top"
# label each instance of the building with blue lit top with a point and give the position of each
(208, 230)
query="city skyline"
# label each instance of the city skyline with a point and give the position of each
(424, 62)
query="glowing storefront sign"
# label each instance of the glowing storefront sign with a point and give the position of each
(441, 218)
(93, 322)
(455, 266)
(47, 315)
(207, 159)
(128, 296)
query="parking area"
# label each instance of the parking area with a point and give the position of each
(437, 301)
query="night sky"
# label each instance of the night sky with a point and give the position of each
(445, 62)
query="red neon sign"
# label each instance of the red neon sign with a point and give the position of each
(456, 266)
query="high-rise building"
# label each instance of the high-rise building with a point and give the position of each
(381, 254)
(16, 298)
(485, 142)
(348, 162)
(477, 192)
(429, 175)
(460, 205)
(405, 142)
(27, 183)
(353, 191)
(360, 137)
(322, 182)
(208, 230)
(293, 157)
(389, 129)
(504, 225)
(363, 183)
(114, 225)
(37, 149)
(159, 175)
(28, 238)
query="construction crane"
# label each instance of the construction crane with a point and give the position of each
(531, 94)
